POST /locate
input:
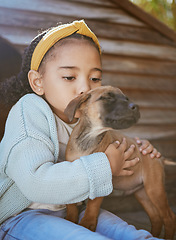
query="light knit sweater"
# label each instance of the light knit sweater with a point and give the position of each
(31, 170)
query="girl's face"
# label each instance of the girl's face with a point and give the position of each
(75, 69)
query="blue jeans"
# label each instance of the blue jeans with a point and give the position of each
(49, 225)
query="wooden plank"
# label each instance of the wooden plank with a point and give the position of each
(38, 20)
(163, 137)
(113, 47)
(33, 20)
(77, 10)
(127, 65)
(127, 48)
(129, 209)
(128, 32)
(18, 36)
(166, 147)
(157, 116)
(152, 99)
(139, 82)
(153, 133)
(147, 18)
(98, 2)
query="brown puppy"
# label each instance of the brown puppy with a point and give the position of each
(103, 110)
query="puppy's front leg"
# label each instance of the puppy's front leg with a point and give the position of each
(72, 213)
(91, 214)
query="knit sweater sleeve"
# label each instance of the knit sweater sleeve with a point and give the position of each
(42, 180)
(31, 163)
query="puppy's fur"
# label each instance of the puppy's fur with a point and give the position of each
(104, 110)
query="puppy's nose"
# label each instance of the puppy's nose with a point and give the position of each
(133, 106)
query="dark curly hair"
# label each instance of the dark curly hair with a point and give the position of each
(12, 89)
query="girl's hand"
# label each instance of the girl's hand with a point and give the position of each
(118, 155)
(146, 147)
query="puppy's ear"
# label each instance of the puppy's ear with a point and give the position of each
(74, 105)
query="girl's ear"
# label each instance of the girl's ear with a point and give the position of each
(36, 82)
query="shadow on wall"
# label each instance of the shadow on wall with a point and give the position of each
(10, 63)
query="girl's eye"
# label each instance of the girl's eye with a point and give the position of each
(95, 79)
(70, 78)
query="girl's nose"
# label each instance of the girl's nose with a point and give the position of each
(84, 87)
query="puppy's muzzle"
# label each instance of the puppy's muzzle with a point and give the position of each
(121, 114)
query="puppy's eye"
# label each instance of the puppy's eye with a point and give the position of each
(108, 98)
(101, 98)
(111, 95)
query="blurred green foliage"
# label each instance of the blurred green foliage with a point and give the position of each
(164, 10)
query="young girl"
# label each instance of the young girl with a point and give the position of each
(35, 181)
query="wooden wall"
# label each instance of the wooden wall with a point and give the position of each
(136, 57)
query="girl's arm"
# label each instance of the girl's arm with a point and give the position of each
(31, 166)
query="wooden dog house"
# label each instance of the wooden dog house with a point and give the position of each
(139, 54)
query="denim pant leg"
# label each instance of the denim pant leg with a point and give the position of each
(113, 227)
(44, 225)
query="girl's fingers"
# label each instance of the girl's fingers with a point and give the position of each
(116, 144)
(129, 152)
(131, 163)
(155, 153)
(123, 144)
(145, 144)
(125, 172)
(148, 149)
(138, 140)
(128, 164)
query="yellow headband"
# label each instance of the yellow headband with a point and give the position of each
(56, 34)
